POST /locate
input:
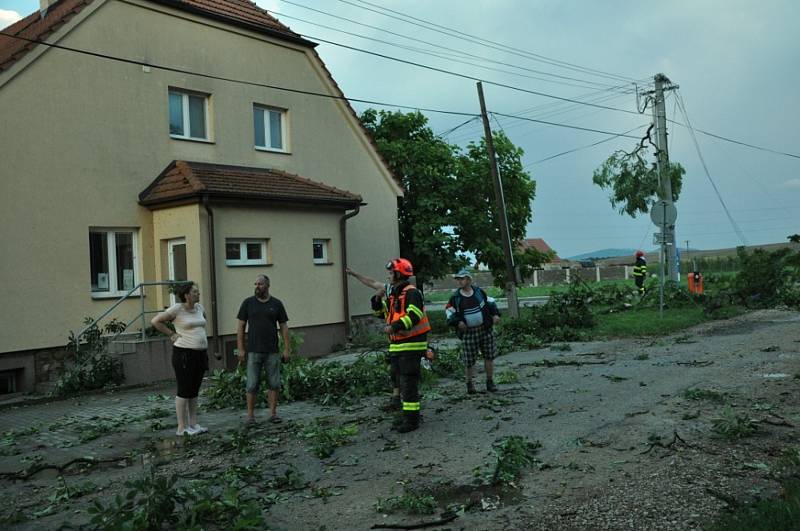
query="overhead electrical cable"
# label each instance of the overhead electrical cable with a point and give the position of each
(483, 42)
(586, 146)
(228, 79)
(556, 124)
(739, 142)
(274, 87)
(736, 228)
(460, 53)
(564, 108)
(465, 76)
(456, 128)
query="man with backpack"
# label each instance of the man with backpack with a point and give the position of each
(473, 314)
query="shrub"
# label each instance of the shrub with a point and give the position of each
(93, 367)
(514, 454)
(731, 425)
(768, 278)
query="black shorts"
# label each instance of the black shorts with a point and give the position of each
(190, 365)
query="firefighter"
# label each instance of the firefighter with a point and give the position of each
(640, 271)
(408, 327)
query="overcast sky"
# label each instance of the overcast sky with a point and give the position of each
(736, 63)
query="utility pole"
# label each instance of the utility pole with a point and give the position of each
(668, 248)
(505, 235)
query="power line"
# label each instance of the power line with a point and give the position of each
(584, 147)
(760, 148)
(231, 80)
(705, 168)
(465, 76)
(556, 124)
(566, 108)
(453, 129)
(276, 87)
(483, 42)
(459, 53)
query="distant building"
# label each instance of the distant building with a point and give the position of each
(540, 245)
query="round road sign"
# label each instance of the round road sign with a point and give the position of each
(663, 213)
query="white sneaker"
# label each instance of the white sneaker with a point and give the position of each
(197, 428)
(187, 431)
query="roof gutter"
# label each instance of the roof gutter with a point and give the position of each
(213, 277)
(346, 292)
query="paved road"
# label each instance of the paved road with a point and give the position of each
(501, 303)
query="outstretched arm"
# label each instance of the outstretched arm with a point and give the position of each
(367, 281)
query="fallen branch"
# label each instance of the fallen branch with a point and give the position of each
(675, 439)
(781, 422)
(443, 520)
(695, 363)
(25, 474)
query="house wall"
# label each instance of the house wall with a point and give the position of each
(311, 293)
(82, 136)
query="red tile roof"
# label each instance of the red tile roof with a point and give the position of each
(36, 28)
(540, 245)
(182, 180)
(237, 12)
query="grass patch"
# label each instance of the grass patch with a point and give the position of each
(647, 322)
(409, 503)
(731, 425)
(325, 440)
(780, 514)
(443, 295)
(506, 377)
(514, 455)
(703, 394)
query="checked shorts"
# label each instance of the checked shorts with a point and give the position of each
(478, 339)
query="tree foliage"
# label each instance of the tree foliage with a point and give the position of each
(449, 207)
(424, 164)
(474, 213)
(634, 183)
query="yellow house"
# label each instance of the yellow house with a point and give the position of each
(147, 140)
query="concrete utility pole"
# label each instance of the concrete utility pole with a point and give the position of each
(668, 248)
(505, 235)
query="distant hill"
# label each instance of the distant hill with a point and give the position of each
(603, 253)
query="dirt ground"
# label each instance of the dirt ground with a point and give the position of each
(625, 428)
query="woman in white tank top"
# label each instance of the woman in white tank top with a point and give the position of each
(189, 353)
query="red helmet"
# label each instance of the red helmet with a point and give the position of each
(639, 254)
(402, 266)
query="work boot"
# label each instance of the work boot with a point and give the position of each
(471, 388)
(410, 422)
(393, 404)
(490, 386)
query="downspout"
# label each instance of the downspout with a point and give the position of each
(346, 298)
(213, 279)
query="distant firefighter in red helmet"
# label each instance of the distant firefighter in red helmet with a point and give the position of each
(640, 271)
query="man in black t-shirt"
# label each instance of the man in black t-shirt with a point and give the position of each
(262, 314)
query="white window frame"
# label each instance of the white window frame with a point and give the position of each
(325, 259)
(265, 249)
(284, 114)
(186, 124)
(111, 240)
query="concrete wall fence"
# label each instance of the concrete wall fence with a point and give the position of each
(546, 277)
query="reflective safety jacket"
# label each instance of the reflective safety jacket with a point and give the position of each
(640, 269)
(406, 315)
